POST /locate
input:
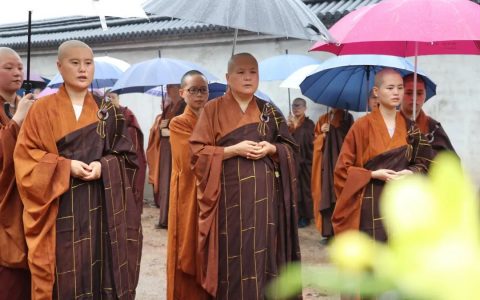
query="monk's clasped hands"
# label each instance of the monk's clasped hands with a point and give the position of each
(253, 150)
(387, 175)
(81, 170)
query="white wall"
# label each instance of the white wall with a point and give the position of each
(456, 105)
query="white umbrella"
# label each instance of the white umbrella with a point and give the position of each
(51, 9)
(293, 81)
(288, 18)
(27, 10)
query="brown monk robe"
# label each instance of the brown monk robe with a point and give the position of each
(330, 131)
(379, 147)
(433, 130)
(74, 174)
(301, 128)
(243, 160)
(182, 269)
(136, 136)
(159, 153)
(14, 274)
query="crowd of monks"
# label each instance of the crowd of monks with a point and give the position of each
(233, 178)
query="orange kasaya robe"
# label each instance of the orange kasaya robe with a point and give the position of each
(183, 215)
(14, 275)
(13, 252)
(43, 176)
(367, 138)
(247, 220)
(341, 123)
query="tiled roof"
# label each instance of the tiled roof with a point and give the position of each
(50, 33)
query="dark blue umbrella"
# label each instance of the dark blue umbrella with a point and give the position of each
(152, 73)
(345, 81)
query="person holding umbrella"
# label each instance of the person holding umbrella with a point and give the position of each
(330, 132)
(74, 165)
(433, 130)
(159, 153)
(379, 147)
(243, 161)
(14, 274)
(301, 128)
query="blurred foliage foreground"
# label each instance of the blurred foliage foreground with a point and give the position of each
(433, 250)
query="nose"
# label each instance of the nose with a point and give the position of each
(18, 72)
(83, 67)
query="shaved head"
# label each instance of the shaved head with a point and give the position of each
(380, 76)
(76, 65)
(242, 76)
(11, 72)
(65, 47)
(240, 56)
(409, 77)
(5, 51)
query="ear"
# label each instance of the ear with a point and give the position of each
(181, 92)
(58, 64)
(375, 91)
(226, 76)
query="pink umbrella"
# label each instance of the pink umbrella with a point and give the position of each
(408, 28)
(397, 27)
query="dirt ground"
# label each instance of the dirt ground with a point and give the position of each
(152, 284)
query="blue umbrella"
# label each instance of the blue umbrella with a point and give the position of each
(281, 66)
(152, 73)
(345, 81)
(107, 72)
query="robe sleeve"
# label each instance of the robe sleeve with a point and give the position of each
(121, 208)
(207, 160)
(316, 179)
(308, 143)
(183, 194)
(350, 182)
(8, 138)
(13, 253)
(42, 176)
(136, 136)
(441, 141)
(153, 154)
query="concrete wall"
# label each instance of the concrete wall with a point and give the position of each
(456, 105)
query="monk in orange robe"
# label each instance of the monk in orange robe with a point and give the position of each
(182, 269)
(433, 130)
(379, 147)
(14, 274)
(74, 165)
(243, 160)
(301, 128)
(159, 153)
(330, 131)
